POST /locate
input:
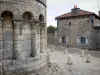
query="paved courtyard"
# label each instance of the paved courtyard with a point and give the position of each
(79, 66)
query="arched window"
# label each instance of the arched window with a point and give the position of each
(41, 18)
(27, 16)
(26, 31)
(7, 18)
(8, 35)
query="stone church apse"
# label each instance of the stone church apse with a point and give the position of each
(23, 36)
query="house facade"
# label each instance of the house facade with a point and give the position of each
(78, 28)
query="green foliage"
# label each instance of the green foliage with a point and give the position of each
(51, 29)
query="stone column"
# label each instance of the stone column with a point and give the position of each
(42, 40)
(14, 53)
(17, 38)
(34, 42)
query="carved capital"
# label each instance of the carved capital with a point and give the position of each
(42, 25)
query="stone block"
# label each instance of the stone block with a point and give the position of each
(7, 30)
(24, 65)
(26, 26)
(5, 68)
(26, 31)
(30, 69)
(17, 24)
(25, 43)
(17, 31)
(35, 63)
(7, 26)
(17, 43)
(42, 36)
(6, 62)
(30, 64)
(0, 24)
(25, 48)
(1, 30)
(17, 37)
(7, 55)
(12, 67)
(25, 54)
(1, 37)
(26, 37)
(1, 44)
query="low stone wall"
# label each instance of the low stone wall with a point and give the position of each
(50, 39)
(26, 66)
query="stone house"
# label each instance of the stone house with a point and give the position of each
(78, 28)
(23, 36)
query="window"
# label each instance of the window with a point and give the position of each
(69, 23)
(82, 40)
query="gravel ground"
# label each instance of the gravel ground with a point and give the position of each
(79, 66)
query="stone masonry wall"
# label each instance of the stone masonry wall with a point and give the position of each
(80, 27)
(23, 36)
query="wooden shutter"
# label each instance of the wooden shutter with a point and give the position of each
(78, 40)
(66, 39)
(87, 41)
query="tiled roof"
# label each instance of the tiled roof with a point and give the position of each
(81, 13)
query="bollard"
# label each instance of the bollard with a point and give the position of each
(88, 59)
(69, 60)
(82, 53)
(52, 48)
(65, 51)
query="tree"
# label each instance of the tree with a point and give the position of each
(51, 29)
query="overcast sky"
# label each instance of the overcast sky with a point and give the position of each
(59, 7)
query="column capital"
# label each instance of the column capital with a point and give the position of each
(42, 25)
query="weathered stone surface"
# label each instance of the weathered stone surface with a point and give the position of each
(21, 40)
(81, 26)
(79, 67)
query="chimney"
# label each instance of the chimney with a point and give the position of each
(75, 10)
(99, 13)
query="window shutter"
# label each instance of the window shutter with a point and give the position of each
(78, 40)
(66, 39)
(87, 41)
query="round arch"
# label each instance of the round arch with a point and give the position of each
(6, 13)
(41, 18)
(27, 16)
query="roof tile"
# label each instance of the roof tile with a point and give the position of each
(69, 14)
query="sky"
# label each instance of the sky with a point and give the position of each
(59, 7)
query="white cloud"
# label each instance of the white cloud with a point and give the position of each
(53, 23)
